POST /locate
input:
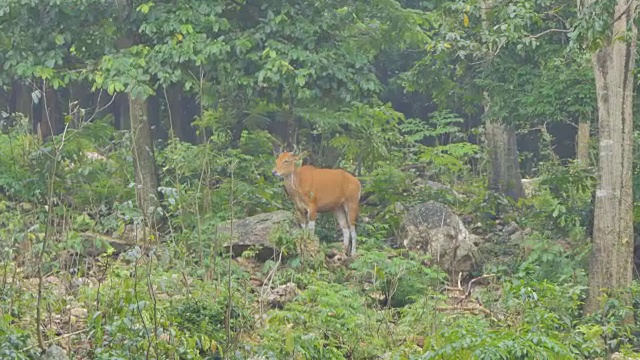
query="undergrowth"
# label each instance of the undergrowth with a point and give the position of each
(180, 296)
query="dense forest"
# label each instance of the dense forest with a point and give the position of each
(472, 195)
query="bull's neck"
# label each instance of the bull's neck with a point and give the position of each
(291, 180)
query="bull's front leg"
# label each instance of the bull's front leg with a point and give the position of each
(301, 217)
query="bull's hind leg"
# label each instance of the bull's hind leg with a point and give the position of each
(341, 216)
(352, 209)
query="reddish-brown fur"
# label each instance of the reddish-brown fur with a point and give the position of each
(314, 190)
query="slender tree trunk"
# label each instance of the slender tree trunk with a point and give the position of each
(49, 122)
(158, 130)
(191, 109)
(175, 110)
(582, 143)
(611, 263)
(504, 175)
(181, 113)
(236, 134)
(144, 164)
(121, 113)
(79, 98)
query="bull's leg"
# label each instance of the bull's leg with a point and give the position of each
(312, 214)
(341, 216)
(352, 209)
(301, 216)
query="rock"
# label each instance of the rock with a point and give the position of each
(80, 313)
(619, 356)
(519, 236)
(132, 254)
(281, 295)
(530, 186)
(433, 228)
(78, 282)
(135, 233)
(511, 229)
(256, 231)
(55, 285)
(99, 240)
(55, 352)
(436, 186)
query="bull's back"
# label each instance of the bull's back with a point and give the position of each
(329, 187)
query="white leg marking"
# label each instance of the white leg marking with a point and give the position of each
(345, 240)
(311, 226)
(341, 216)
(353, 240)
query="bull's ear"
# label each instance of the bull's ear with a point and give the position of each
(300, 158)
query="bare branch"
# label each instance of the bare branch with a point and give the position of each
(500, 45)
(547, 32)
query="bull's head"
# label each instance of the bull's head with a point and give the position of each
(287, 162)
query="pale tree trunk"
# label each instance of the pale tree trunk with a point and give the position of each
(133, 110)
(582, 143)
(504, 175)
(611, 263)
(144, 164)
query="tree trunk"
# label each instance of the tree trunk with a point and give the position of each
(236, 134)
(504, 175)
(181, 113)
(582, 143)
(158, 130)
(80, 98)
(49, 122)
(21, 99)
(611, 265)
(144, 164)
(174, 104)
(121, 112)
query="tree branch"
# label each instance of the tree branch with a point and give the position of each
(547, 32)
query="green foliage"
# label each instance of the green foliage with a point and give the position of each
(20, 177)
(399, 279)
(391, 91)
(181, 314)
(447, 161)
(473, 339)
(325, 321)
(548, 260)
(14, 341)
(563, 199)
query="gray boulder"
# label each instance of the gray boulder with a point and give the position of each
(256, 231)
(434, 229)
(55, 352)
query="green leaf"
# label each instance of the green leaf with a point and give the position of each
(144, 8)
(289, 342)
